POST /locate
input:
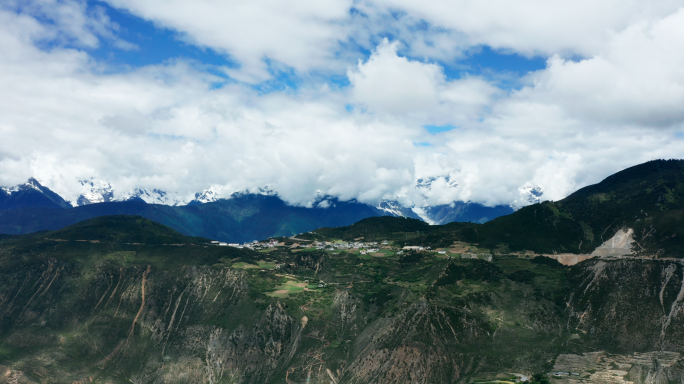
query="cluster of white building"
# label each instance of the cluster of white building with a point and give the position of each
(363, 247)
(369, 247)
(254, 245)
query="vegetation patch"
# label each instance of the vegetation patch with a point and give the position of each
(287, 288)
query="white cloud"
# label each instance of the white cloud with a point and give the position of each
(298, 33)
(577, 27)
(390, 84)
(64, 116)
(637, 80)
(164, 127)
(393, 84)
(68, 22)
(318, 34)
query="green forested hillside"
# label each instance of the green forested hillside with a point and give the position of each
(648, 198)
(86, 303)
(124, 229)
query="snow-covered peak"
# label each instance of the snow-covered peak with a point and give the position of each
(216, 193)
(99, 191)
(397, 209)
(155, 196)
(94, 191)
(207, 196)
(30, 184)
(391, 207)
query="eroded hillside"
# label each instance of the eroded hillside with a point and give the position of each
(75, 308)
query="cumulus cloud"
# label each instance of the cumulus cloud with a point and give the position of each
(638, 78)
(610, 97)
(390, 84)
(393, 84)
(298, 33)
(164, 127)
(578, 27)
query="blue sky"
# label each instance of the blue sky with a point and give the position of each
(353, 98)
(156, 44)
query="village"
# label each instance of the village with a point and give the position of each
(379, 249)
(366, 251)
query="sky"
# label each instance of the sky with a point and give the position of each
(352, 99)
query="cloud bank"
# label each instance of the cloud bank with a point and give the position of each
(370, 77)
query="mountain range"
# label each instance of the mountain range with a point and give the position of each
(240, 217)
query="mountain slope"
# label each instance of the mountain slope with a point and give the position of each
(460, 212)
(30, 194)
(105, 310)
(123, 229)
(84, 304)
(244, 217)
(647, 198)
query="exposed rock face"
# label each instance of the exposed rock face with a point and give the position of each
(110, 320)
(147, 323)
(199, 325)
(630, 305)
(618, 245)
(389, 350)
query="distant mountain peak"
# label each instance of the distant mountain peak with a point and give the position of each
(31, 183)
(206, 196)
(100, 191)
(395, 208)
(94, 191)
(30, 194)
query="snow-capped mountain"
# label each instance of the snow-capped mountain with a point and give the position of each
(155, 196)
(395, 208)
(213, 194)
(240, 216)
(445, 213)
(98, 191)
(30, 184)
(29, 195)
(207, 196)
(94, 191)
